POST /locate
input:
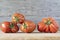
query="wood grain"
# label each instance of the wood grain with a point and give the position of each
(29, 36)
(30, 7)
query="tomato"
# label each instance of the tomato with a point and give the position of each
(18, 18)
(28, 26)
(48, 25)
(9, 27)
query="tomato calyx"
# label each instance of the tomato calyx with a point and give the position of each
(16, 18)
(48, 22)
(25, 26)
(11, 25)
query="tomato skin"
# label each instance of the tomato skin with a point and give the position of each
(18, 16)
(5, 27)
(30, 26)
(40, 26)
(6, 30)
(15, 29)
(53, 28)
(50, 27)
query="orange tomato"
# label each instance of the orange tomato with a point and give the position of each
(8, 27)
(28, 26)
(48, 25)
(18, 18)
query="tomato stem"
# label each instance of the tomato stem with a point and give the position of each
(11, 25)
(16, 18)
(48, 22)
(25, 26)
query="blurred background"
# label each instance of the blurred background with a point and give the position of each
(33, 10)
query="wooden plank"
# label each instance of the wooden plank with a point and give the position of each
(29, 36)
(30, 7)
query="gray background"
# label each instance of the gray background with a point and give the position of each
(33, 10)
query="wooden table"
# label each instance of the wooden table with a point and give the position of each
(29, 36)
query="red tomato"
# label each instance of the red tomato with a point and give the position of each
(9, 27)
(48, 25)
(18, 18)
(28, 26)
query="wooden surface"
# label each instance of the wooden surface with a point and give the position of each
(29, 36)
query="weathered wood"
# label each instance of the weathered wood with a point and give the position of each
(30, 36)
(30, 7)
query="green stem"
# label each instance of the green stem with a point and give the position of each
(16, 18)
(11, 25)
(48, 22)
(25, 26)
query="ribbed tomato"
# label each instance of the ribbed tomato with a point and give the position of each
(28, 26)
(18, 18)
(48, 25)
(9, 27)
